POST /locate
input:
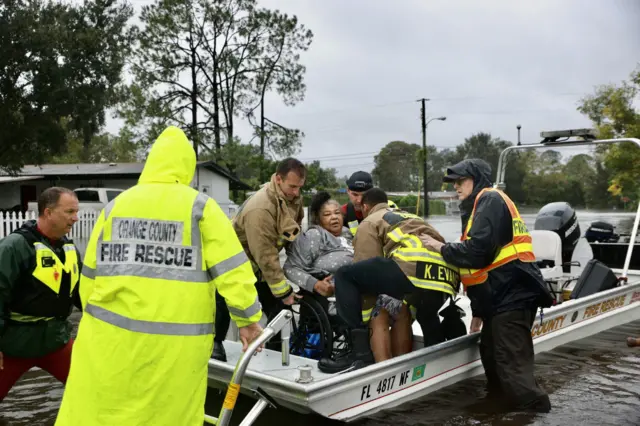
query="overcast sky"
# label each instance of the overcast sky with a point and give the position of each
(486, 65)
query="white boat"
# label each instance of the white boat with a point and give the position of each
(295, 383)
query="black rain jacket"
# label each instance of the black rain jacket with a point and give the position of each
(515, 285)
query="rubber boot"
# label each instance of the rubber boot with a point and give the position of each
(218, 352)
(541, 404)
(360, 356)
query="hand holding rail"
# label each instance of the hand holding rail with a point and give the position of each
(279, 324)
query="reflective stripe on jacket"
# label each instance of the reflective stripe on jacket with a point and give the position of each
(158, 254)
(394, 234)
(351, 220)
(431, 271)
(520, 247)
(265, 223)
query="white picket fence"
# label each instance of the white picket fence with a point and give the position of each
(9, 221)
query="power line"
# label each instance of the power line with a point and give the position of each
(360, 107)
(469, 98)
(363, 155)
(350, 165)
(437, 99)
(540, 111)
(340, 156)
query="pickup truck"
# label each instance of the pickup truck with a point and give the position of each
(88, 198)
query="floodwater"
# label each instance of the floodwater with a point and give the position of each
(593, 381)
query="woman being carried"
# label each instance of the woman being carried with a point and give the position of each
(313, 258)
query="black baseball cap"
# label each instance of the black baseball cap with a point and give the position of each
(360, 181)
(456, 172)
(475, 168)
(451, 176)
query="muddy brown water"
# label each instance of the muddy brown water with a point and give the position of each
(593, 381)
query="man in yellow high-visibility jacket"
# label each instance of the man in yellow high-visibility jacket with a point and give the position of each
(389, 259)
(158, 254)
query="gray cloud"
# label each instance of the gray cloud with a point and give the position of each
(487, 66)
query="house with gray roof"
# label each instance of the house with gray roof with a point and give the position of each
(16, 191)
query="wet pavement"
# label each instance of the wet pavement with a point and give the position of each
(593, 381)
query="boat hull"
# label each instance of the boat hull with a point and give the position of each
(352, 395)
(613, 254)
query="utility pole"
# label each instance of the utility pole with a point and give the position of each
(425, 123)
(424, 150)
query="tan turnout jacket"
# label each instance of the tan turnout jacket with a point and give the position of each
(264, 224)
(393, 234)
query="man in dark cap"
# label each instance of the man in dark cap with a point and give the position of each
(357, 184)
(503, 282)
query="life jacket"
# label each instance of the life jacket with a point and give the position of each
(46, 293)
(425, 268)
(520, 247)
(351, 219)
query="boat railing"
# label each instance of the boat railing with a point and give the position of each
(553, 142)
(280, 324)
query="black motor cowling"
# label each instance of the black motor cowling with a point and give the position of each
(561, 218)
(601, 232)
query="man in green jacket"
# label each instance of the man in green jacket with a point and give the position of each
(39, 277)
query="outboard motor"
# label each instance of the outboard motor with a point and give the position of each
(602, 232)
(561, 218)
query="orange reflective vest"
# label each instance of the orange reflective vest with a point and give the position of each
(519, 248)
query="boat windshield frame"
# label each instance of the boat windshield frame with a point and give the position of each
(502, 166)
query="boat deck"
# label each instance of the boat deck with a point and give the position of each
(350, 395)
(269, 363)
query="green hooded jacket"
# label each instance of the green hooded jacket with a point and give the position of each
(17, 262)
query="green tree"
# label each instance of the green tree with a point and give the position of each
(397, 167)
(597, 192)
(280, 142)
(169, 73)
(436, 167)
(142, 116)
(244, 161)
(548, 161)
(265, 57)
(60, 64)
(481, 145)
(320, 178)
(519, 165)
(580, 172)
(95, 40)
(279, 68)
(543, 188)
(31, 75)
(103, 148)
(202, 63)
(613, 111)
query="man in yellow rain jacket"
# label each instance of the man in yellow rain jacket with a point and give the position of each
(158, 254)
